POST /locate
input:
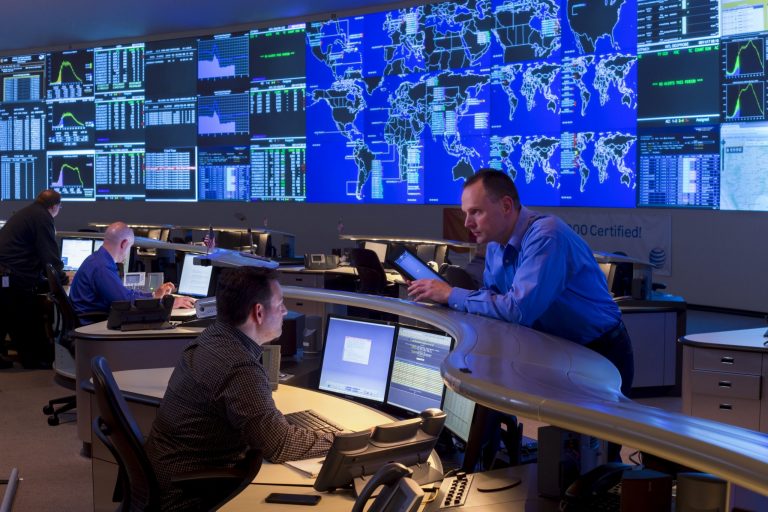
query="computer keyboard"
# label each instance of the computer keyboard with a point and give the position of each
(311, 420)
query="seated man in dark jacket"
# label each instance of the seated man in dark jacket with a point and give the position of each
(219, 402)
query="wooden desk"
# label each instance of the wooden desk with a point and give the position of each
(149, 386)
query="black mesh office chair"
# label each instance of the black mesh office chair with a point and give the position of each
(62, 333)
(371, 274)
(138, 489)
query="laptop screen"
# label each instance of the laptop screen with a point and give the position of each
(356, 358)
(416, 383)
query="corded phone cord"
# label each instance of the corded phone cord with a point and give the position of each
(513, 483)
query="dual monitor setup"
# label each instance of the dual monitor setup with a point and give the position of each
(395, 368)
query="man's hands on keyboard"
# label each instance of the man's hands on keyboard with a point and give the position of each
(311, 420)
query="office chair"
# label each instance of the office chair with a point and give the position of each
(138, 489)
(64, 325)
(372, 277)
(458, 277)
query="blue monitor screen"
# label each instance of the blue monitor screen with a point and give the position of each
(416, 383)
(356, 358)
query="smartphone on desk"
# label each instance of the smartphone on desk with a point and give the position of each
(293, 499)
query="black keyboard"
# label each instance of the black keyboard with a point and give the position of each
(311, 420)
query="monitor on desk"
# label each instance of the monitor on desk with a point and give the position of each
(380, 248)
(459, 412)
(195, 279)
(264, 245)
(416, 383)
(97, 244)
(356, 358)
(74, 251)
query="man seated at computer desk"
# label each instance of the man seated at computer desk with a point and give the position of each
(97, 284)
(219, 402)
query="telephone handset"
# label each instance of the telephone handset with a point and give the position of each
(592, 487)
(400, 493)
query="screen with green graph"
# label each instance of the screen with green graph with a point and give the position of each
(614, 103)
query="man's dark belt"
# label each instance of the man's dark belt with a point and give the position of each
(610, 335)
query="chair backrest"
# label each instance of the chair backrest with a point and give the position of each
(61, 299)
(373, 279)
(458, 277)
(117, 429)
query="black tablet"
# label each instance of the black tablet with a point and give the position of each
(408, 264)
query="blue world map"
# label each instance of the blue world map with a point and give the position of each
(403, 106)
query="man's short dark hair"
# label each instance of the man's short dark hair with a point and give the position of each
(48, 198)
(496, 183)
(239, 289)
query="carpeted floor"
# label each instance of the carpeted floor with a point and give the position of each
(55, 476)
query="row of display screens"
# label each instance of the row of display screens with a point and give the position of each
(392, 367)
(614, 105)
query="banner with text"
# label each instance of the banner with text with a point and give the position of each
(646, 237)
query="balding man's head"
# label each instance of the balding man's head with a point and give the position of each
(118, 239)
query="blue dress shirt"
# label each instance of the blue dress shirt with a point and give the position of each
(97, 284)
(544, 277)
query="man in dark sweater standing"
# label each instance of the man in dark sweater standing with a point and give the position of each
(27, 244)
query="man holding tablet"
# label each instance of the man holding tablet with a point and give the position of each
(538, 273)
(97, 283)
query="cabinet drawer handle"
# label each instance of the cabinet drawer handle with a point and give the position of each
(726, 407)
(724, 384)
(726, 360)
(299, 304)
(299, 279)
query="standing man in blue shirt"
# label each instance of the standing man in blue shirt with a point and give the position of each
(538, 273)
(97, 284)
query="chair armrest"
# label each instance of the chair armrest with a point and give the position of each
(93, 316)
(192, 477)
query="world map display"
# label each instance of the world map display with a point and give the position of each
(403, 106)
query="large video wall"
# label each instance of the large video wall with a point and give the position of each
(606, 103)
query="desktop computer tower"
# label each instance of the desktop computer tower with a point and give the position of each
(563, 456)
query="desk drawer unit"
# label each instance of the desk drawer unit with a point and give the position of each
(726, 385)
(734, 411)
(299, 279)
(731, 361)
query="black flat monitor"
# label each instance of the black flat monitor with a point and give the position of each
(264, 245)
(356, 455)
(415, 382)
(154, 233)
(196, 280)
(356, 358)
(380, 248)
(97, 244)
(408, 264)
(74, 251)
(426, 252)
(460, 411)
